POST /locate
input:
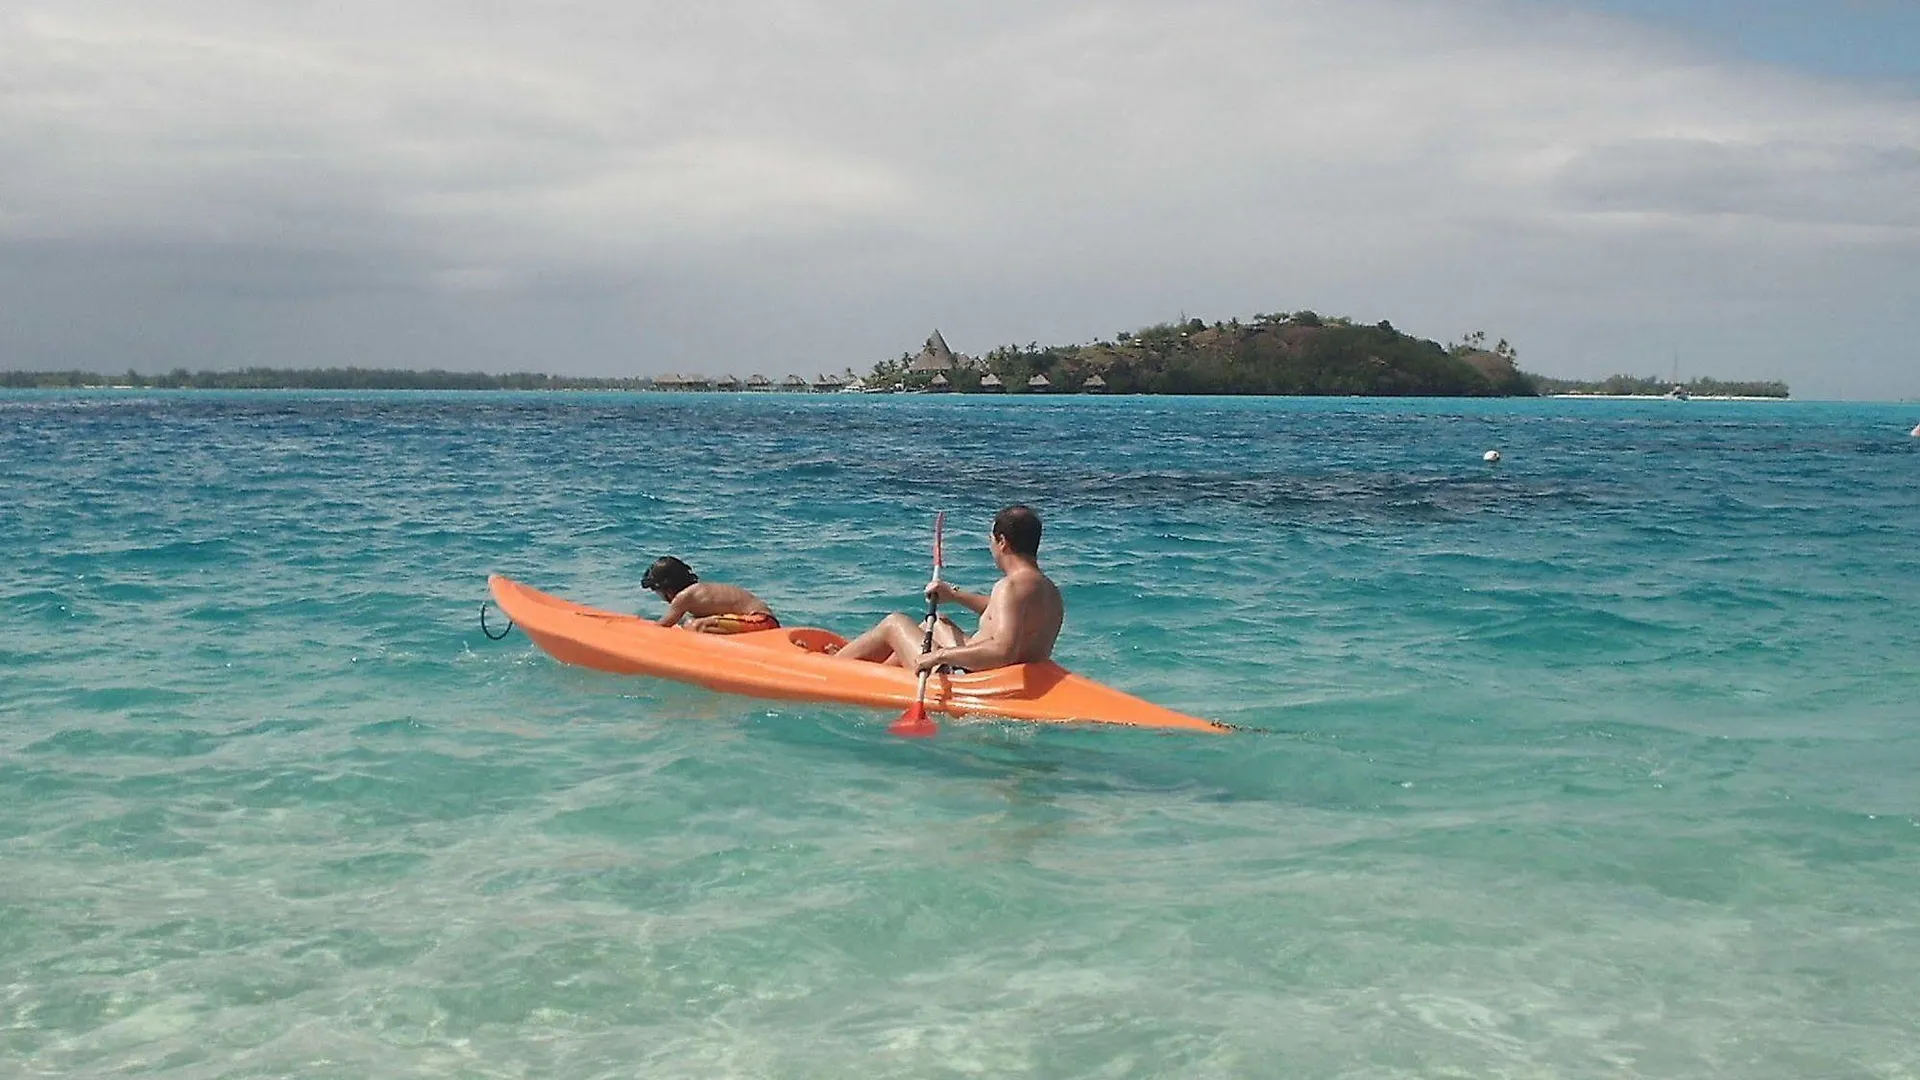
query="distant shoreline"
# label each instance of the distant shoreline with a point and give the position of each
(844, 393)
(1667, 397)
(345, 380)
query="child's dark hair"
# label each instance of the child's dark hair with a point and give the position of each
(668, 575)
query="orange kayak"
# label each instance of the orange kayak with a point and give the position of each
(798, 664)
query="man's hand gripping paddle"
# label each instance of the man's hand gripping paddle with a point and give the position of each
(915, 723)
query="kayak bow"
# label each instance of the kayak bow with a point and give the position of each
(797, 664)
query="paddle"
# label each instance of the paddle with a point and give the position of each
(915, 723)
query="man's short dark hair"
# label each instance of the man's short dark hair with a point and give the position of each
(1019, 526)
(668, 575)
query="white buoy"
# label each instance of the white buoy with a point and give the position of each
(1490, 457)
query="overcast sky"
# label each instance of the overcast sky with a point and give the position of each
(775, 186)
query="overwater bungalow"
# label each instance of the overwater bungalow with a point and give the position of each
(827, 384)
(939, 384)
(759, 382)
(991, 384)
(794, 383)
(1038, 385)
(727, 382)
(1094, 385)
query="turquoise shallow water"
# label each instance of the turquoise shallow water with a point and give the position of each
(1601, 762)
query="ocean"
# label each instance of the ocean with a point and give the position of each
(1601, 761)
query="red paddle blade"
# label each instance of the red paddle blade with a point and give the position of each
(914, 723)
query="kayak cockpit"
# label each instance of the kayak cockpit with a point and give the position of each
(815, 640)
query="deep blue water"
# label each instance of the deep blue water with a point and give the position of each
(1603, 761)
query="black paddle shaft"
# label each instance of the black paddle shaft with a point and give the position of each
(933, 609)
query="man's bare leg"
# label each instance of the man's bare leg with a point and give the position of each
(896, 636)
(897, 640)
(946, 634)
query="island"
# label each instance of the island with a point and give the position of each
(1297, 353)
(1280, 354)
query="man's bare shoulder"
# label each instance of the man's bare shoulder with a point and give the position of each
(1030, 582)
(1029, 592)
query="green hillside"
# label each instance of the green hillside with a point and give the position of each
(1299, 353)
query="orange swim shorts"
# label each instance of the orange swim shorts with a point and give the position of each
(739, 624)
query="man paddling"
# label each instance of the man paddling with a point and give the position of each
(1019, 619)
(713, 607)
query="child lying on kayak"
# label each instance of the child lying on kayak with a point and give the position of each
(713, 607)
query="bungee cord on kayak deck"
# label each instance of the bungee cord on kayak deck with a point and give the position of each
(491, 636)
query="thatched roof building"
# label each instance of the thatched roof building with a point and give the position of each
(1094, 385)
(939, 382)
(827, 384)
(727, 382)
(1039, 384)
(793, 382)
(934, 357)
(759, 382)
(991, 383)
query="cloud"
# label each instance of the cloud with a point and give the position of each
(1779, 183)
(609, 187)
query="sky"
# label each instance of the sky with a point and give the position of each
(595, 187)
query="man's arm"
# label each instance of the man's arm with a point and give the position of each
(973, 602)
(998, 648)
